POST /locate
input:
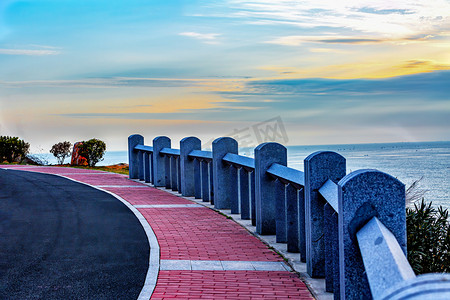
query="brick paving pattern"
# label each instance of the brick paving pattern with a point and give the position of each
(147, 196)
(229, 285)
(203, 234)
(196, 233)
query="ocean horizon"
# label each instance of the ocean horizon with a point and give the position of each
(428, 162)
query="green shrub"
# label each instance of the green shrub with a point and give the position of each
(13, 149)
(61, 151)
(428, 233)
(93, 150)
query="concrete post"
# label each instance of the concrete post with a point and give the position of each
(253, 198)
(302, 225)
(133, 141)
(179, 174)
(267, 190)
(244, 194)
(187, 165)
(141, 165)
(224, 176)
(167, 171)
(147, 167)
(152, 169)
(174, 173)
(205, 181)
(319, 167)
(211, 183)
(159, 172)
(362, 195)
(292, 208)
(331, 251)
(197, 179)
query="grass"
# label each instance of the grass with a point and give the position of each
(119, 169)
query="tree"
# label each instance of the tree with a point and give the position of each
(13, 149)
(93, 150)
(61, 151)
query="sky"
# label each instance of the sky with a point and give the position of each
(330, 72)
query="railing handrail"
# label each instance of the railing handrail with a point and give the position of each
(170, 152)
(201, 154)
(240, 161)
(287, 175)
(329, 192)
(389, 271)
(143, 148)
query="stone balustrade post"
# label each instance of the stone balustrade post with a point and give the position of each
(244, 193)
(187, 165)
(268, 193)
(167, 170)
(319, 167)
(159, 167)
(147, 167)
(133, 159)
(362, 195)
(174, 172)
(205, 180)
(224, 176)
(292, 219)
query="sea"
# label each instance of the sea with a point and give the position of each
(428, 162)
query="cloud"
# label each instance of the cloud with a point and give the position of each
(425, 85)
(398, 19)
(207, 38)
(296, 40)
(210, 85)
(326, 50)
(27, 52)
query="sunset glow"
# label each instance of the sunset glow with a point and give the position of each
(334, 71)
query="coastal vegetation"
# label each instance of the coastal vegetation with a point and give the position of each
(428, 233)
(61, 150)
(121, 168)
(13, 149)
(93, 150)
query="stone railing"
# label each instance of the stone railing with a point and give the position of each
(349, 229)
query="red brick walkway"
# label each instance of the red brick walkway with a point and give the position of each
(195, 233)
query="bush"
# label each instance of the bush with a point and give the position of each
(428, 233)
(13, 149)
(428, 238)
(61, 151)
(93, 150)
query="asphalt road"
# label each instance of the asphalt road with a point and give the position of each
(63, 240)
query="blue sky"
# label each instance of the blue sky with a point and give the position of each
(335, 72)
